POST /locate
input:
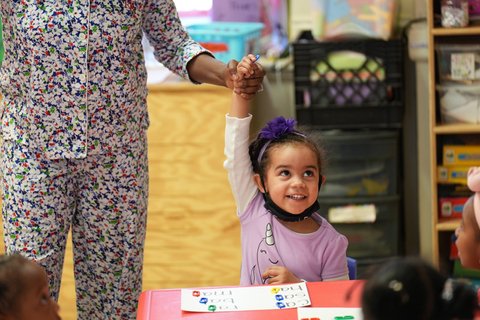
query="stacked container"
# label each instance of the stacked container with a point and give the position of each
(458, 87)
(351, 92)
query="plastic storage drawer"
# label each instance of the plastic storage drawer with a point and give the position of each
(459, 103)
(458, 63)
(360, 163)
(372, 239)
(350, 83)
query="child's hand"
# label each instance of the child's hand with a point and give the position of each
(247, 70)
(247, 66)
(279, 275)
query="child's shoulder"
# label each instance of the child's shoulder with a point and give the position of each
(327, 228)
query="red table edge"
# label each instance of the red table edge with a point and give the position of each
(351, 296)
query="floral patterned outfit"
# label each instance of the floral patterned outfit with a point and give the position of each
(74, 120)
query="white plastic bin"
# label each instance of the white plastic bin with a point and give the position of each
(459, 103)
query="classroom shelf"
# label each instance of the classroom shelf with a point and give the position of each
(474, 30)
(456, 128)
(444, 134)
(448, 225)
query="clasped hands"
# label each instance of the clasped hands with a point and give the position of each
(246, 85)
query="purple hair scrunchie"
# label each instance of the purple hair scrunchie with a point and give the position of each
(274, 129)
(277, 127)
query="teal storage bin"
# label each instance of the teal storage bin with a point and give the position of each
(228, 40)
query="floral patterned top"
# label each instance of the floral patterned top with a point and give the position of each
(73, 79)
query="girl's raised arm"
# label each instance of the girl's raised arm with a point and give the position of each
(240, 102)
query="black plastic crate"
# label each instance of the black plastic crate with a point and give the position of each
(365, 93)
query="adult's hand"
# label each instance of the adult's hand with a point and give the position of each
(204, 68)
(247, 87)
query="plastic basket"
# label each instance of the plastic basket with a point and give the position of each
(367, 93)
(228, 40)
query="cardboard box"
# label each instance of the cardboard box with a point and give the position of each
(460, 271)
(451, 207)
(461, 155)
(453, 247)
(236, 11)
(452, 174)
(346, 18)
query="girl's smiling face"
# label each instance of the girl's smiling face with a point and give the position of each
(468, 238)
(292, 177)
(34, 301)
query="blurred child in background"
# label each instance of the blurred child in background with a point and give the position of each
(468, 233)
(468, 237)
(410, 288)
(24, 293)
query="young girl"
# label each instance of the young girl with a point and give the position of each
(468, 233)
(24, 293)
(410, 288)
(275, 182)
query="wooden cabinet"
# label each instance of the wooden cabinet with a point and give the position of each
(445, 132)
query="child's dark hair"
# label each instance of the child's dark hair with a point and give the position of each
(410, 288)
(10, 281)
(260, 147)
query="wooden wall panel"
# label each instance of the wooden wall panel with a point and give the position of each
(193, 232)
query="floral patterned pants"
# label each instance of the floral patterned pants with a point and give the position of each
(102, 199)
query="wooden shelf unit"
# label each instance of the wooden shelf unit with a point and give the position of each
(442, 229)
(439, 31)
(447, 224)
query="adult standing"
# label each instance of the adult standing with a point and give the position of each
(74, 122)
